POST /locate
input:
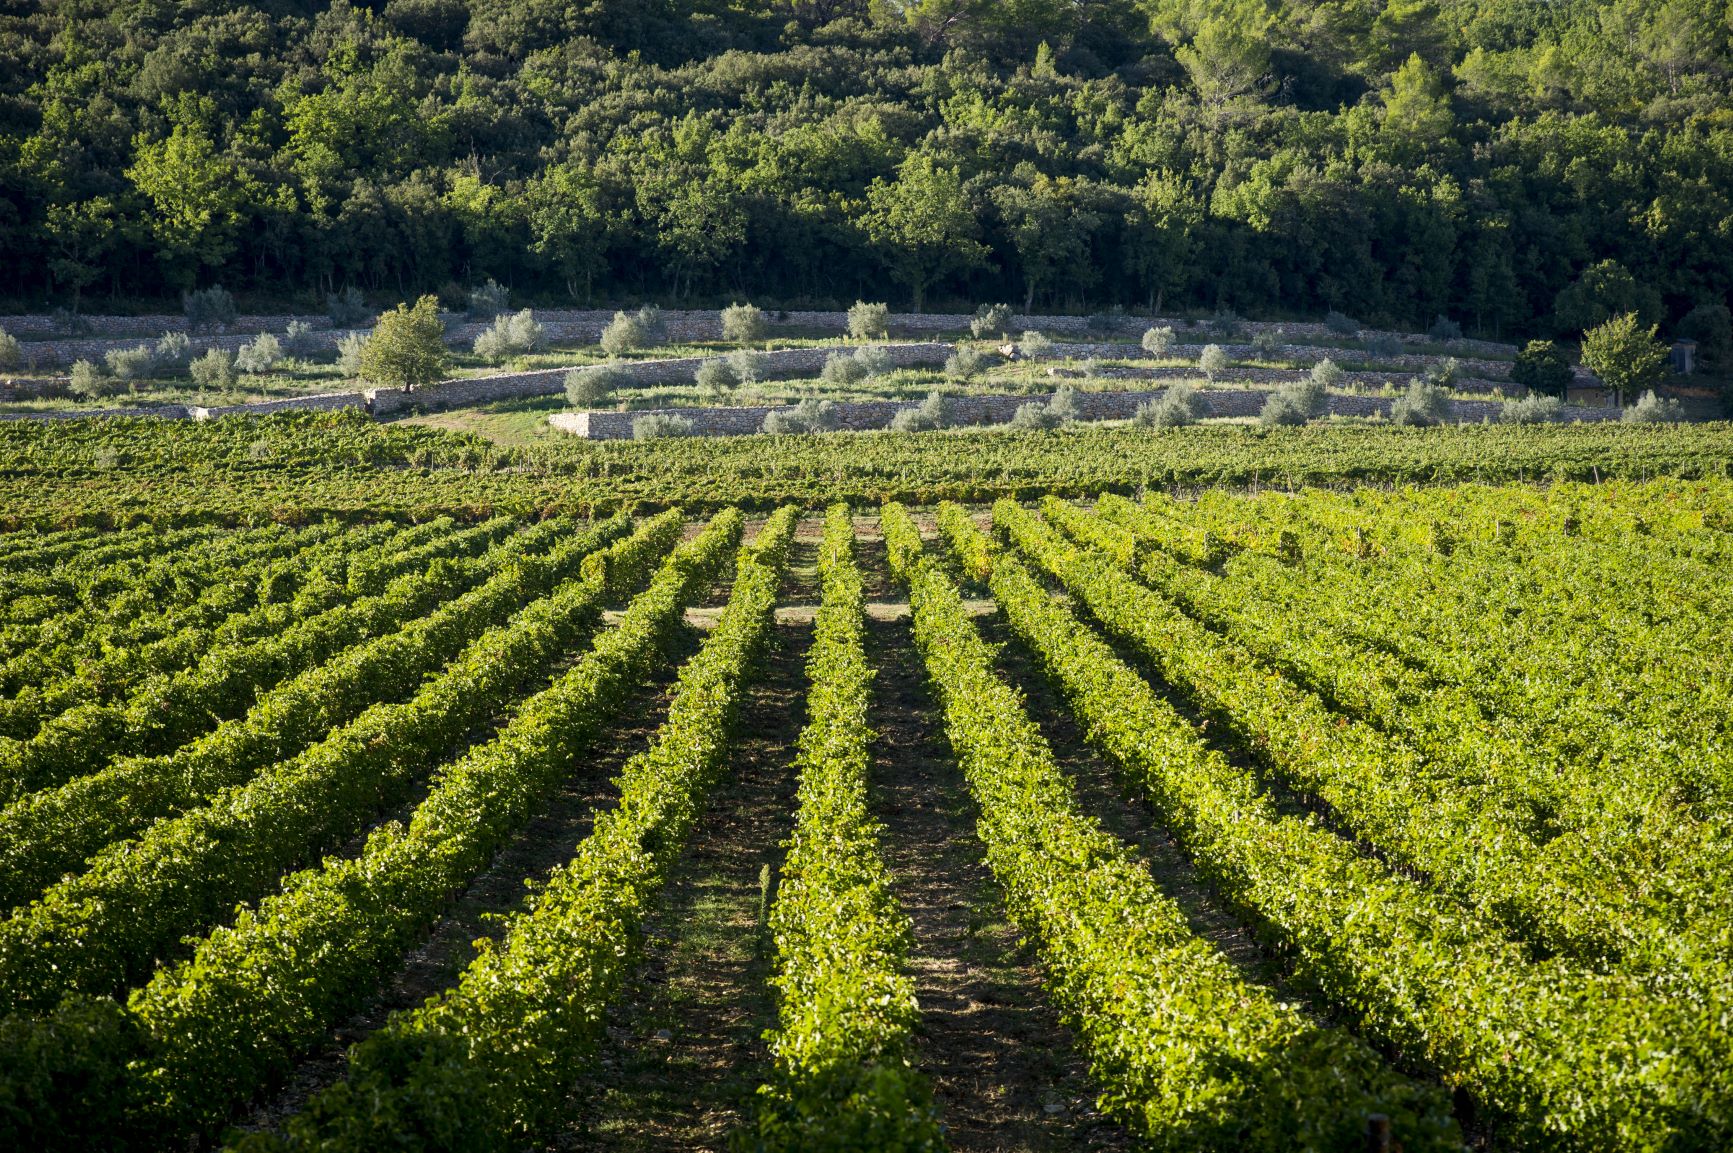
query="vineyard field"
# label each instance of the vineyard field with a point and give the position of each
(1082, 815)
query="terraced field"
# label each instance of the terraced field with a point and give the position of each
(1232, 821)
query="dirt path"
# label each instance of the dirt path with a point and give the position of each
(685, 1053)
(1005, 1073)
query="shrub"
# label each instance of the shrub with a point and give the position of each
(842, 370)
(1035, 346)
(1382, 345)
(69, 323)
(511, 335)
(653, 324)
(214, 370)
(869, 321)
(1293, 404)
(1067, 404)
(990, 320)
(1651, 409)
(1444, 328)
(749, 366)
(1341, 323)
(350, 349)
(743, 324)
(932, 413)
(298, 338)
(875, 360)
(625, 333)
(594, 387)
(660, 426)
(715, 377)
(259, 355)
(1035, 417)
(1266, 342)
(88, 382)
(964, 364)
(1425, 403)
(208, 310)
(1212, 361)
(1327, 374)
(810, 415)
(1157, 341)
(11, 355)
(1180, 405)
(1444, 373)
(173, 352)
(407, 347)
(347, 309)
(1227, 324)
(1542, 367)
(130, 363)
(488, 300)
(1531, 410)
(1108, 321)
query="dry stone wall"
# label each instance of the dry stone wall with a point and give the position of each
(860, 416)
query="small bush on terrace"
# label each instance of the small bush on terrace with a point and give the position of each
(1425, 403)
(173, 352)
(1382, 345)
(1266, 342)
(749, 366)
(1444, 328)
(11, 355)
(209, 309)
(715, 377)
(1067, 404)
(1341, 323)
(1652, 409)
(1531, 410)
(511, 335)
(1327, 374)
(964, 364)
(810, 415)
(1542, 367)
(1180, 405)
(347, 309)
(932, 413)
(743, 324)
(1294, 403)
(349, 352)
(407, 348)
(841, 369)
(214, 370)
(88, 382)
(1036, 416)
(660, 426)
(875, 360)
(1212, 361)
(1157, 341)
(1035, 346)
(990, 320)
(869, 321)
(298, 338)
(488, 300)
(130, 363)
(594, 387)
(259, 355)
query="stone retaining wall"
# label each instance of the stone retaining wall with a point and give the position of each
(999, 409)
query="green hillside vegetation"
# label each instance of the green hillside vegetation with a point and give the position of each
(1520, 167)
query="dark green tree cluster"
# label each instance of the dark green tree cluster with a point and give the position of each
(1523, 166)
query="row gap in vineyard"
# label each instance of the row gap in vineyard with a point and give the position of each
(684, 1052)
(543, 845)
(1006, 1073)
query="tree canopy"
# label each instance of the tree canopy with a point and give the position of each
(1527, 167)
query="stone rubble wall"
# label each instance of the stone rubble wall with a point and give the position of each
(862, 416)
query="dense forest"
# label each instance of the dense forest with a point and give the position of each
(1521, 166)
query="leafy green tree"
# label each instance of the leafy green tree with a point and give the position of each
(568, 226)
(198, 195)
(81, 233)
(1626, 356)
(1050, 222)
(1161, 228)
(1228, 59)
(1603, 291)
(407, 347)
(921, 225)
(1417, 115)
(1542, 368)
